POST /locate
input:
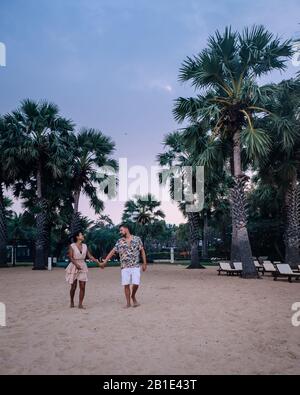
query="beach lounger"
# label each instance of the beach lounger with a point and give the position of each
(269, 268)
(238, 266)
(258, 266)
(285, 270)
(297, 270)
(226, 268)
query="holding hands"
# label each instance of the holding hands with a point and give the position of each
(102, 264)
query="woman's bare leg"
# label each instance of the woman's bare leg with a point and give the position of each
(81, 293)
(72, 293)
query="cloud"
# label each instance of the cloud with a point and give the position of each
(160, 85)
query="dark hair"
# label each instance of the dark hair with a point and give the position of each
(75, 235)
(125, 225)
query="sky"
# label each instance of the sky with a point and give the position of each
(113, 64)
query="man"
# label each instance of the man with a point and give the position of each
(129, 248)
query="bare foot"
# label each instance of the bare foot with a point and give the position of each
(127, 306)
(72, 305)
(135, 303)
(81, 307)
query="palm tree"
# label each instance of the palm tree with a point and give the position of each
(3, 227)
(10, 168)
(92, 152)
(143, 211)
(226, 73)
(7, 214)
(192, 146)
(281, 168)
(176, 157)
(104, 221)
(43, 134)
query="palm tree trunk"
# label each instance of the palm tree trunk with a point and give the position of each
(234, 252)
(291, 236)
(76, 201)
(40, 263)
(61, 243)
(47, 249)
(76, 221)
(194, 226)
(3, 230)
(205, 236)
(238, 210)
(14, 252)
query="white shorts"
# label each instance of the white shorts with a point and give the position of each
(131, 275)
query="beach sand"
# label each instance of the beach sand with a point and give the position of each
(189, 322)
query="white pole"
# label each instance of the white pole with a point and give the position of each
(49, 263)
(172, 255)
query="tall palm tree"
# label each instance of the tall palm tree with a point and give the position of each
(176, 157)
(43, 134)
(192, 146)
(92, 152)
(10, 168)
(226, 74)
(3, 225)
(281, 169)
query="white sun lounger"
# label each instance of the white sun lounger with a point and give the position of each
(258, 266)
(238, 266)
(226, 268)
(285, 270)
(269, 268)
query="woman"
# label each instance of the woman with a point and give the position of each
(77, 269)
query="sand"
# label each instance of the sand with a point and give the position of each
(190, 322)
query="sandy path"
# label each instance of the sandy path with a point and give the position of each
(190, 322)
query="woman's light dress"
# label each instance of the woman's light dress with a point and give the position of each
(72, 273)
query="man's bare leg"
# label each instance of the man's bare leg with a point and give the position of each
(72, 293)
(127, 295)
(81, 294)
(134, 291)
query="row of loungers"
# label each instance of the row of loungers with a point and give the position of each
(225, 267)
(276, 269)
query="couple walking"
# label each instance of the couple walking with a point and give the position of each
(128, 247)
